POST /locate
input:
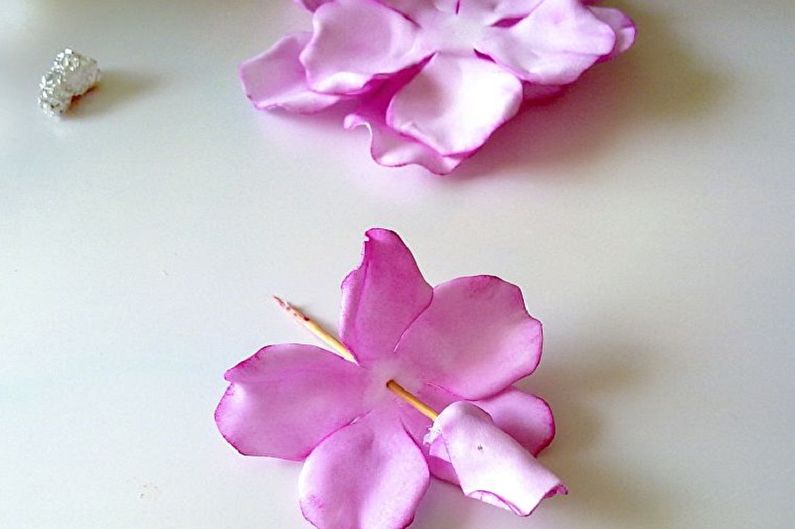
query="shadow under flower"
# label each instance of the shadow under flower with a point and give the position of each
(615, 494)
(606, 489)
(658, 79)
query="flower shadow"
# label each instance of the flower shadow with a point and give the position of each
(657, 80)
(607, 491)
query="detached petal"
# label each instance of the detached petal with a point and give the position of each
(622, 25)
(283, 400)
(368, 475)
(356, 41)
(491, 465)
(455, 103)
(381, 297)
(554, 44)
(474, 339)
(387, 147)
(275, 79)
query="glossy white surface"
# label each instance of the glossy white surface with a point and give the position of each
(647, 215)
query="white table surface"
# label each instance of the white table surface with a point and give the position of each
(647, 215)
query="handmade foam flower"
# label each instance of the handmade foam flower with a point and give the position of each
(433, 78)
(366, 465)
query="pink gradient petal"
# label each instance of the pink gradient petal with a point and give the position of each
(285, 398)
(388, 147)
(525, 417)
(474, 339)
(368, 475)
(455, 103)
(491, 466)
(622, 25)
(356, 41)
(275, 79)
(554, 44)
(381, 297)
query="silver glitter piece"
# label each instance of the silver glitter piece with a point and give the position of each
(70, 76)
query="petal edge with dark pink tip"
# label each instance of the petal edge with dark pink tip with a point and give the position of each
(474, 339)
(355, 42)
(286, 398)
(367, 475)
(553, 45)
(381, 297)
(455, 103)
(275, 79)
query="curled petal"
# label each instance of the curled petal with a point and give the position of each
(474, 339)
(622, 25)
(526, 418)
(387, 146)
(455, 103)
(554, 44)
(276, 79)
(285, 398)
(491, 466)
(368, 475)
(381, 297)
(356, 41)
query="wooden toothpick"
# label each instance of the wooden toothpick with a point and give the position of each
(339, 348)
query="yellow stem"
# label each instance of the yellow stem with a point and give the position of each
(339, 348)
(420, 406)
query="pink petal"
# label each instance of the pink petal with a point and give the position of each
(369, 475)
(275, 79)
(491, 466)
(283, 400)
(381, 297)
(554, 44)
(387, 146)
(455, 103)
(622, 25)
(474, 339)
(356, 41)
(525, 417)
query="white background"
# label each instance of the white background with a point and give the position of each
(647, 215)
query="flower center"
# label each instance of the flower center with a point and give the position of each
(452, 32)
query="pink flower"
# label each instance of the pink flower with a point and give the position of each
(366, 465)
(433, 78)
